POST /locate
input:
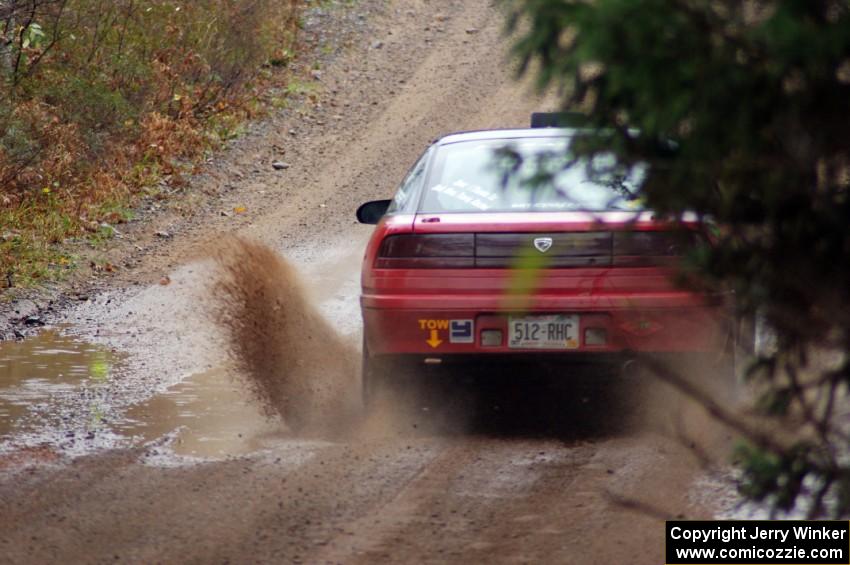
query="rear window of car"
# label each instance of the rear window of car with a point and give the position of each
(532, 174)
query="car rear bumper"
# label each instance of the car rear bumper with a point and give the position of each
(439, 325)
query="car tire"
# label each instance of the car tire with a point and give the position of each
(376, 375)
(390, 378)
(367, 377)
(746, 338)
(714, 373)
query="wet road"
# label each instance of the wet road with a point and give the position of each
(130, 368)
(494, 490)
(123, 436)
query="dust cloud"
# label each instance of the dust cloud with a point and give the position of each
(295, 365)
(672, 397)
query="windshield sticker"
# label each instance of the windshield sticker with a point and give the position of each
(482, 192)
(460, 191)
(542, 205)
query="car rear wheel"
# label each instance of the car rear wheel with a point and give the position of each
(378, 374)
(369, 380)
(393, 379)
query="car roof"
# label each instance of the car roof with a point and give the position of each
(496, 134)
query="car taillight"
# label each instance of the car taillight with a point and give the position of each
(638, 248)
(430, 251)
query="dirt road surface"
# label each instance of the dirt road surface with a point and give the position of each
(125, 439)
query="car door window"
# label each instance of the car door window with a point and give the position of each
(405, 197)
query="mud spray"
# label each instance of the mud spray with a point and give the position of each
(298, 368)
(288, 356)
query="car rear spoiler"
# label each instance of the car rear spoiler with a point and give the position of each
(557, 120)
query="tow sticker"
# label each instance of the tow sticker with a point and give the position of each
(460, 331)
(433, 327)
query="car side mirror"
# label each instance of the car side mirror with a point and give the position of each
(372, 212)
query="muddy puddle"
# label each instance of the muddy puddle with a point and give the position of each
(61, 392)
(48, 369)
(208, 416)
(132, 367)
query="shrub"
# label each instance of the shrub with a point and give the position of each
(754, 96)
(91, 90)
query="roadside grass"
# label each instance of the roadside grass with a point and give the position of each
(297, 87)
(91, 121)
(30, 245)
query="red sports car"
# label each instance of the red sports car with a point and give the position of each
(497, 243)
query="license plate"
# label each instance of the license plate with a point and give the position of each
(543, 332)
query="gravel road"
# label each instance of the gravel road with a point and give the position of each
(181, 467)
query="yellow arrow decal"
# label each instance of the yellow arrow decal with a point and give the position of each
(434, 341)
